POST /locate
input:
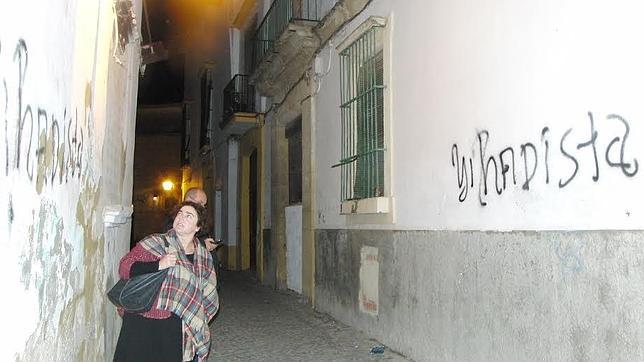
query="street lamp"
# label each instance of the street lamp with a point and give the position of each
(167, 185)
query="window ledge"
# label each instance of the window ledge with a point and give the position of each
(373, 205)
(371, 22)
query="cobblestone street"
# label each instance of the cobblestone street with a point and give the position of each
(257, 323)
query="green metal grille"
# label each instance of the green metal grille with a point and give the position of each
(362, 162)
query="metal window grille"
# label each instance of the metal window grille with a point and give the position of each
(206, 108)
(238, 96)
(185, 135)
(362, 110)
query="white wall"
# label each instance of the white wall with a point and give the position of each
(293, 216)
(61, 170)
(506, 69)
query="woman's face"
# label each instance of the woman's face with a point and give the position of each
(186, 221)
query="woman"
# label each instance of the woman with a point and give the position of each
(176, 329)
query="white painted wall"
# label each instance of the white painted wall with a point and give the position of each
(67, 136)
(235, 50)
(510, 69)
(293, 216)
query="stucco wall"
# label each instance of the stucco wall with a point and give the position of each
(66, 109)
(483, 296)
(488, 296)
(549, 90)
(544, 265)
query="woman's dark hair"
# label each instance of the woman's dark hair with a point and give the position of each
(201, 211)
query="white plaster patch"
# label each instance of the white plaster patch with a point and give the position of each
(294, 247)
(15, 220)
(369, 272)
(22, 312)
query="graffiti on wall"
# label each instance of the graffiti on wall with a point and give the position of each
(45, 144)
(486, 173)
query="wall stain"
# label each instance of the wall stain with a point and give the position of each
(570, 256)
(45, 266)
(88, 95)
(123, 166)
(10, 208)
(58, 280)
(93, 252)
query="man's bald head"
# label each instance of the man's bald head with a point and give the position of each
(196, 195)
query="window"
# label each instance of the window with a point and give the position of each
(185, 139)
(362, 163)
(206, 95)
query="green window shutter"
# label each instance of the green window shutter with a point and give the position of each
(362, 117)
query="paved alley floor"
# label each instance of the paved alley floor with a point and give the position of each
(257, 323)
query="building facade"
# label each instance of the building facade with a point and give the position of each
(68, 88)
(468, 171)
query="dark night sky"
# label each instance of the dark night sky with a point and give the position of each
(162, 82)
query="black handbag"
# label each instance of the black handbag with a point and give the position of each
(138, 294)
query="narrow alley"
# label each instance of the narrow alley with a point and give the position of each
(443, 180)
(258, 323)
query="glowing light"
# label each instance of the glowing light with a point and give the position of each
(167, 185)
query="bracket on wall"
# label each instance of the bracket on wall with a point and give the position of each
(125, 22)
(152, 51)
(124, 27)
(115, 215)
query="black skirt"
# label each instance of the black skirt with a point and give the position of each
(145, 339)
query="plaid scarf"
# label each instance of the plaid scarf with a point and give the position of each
(188, 291)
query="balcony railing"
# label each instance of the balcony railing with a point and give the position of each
(239, 96)
(280, 14)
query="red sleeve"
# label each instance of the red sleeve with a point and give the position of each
(138, 253)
